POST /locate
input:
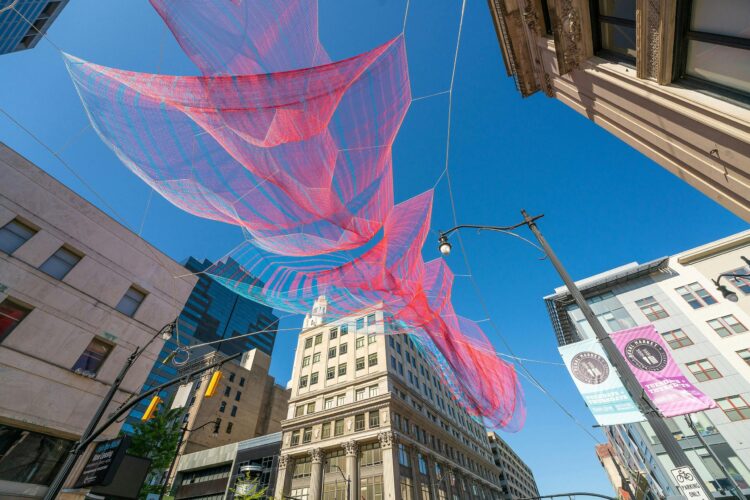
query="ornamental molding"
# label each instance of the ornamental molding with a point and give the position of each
(317, 455)
(387, 439)
(283, 461)
(530, 17)
(350, 448)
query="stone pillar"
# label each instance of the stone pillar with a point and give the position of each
(284, 477)
(352, 468)
(316, 474)
(391, 469)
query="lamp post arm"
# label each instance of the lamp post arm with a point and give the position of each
(729, 275)
(491, 228)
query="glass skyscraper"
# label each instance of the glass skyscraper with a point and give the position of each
(212, 313)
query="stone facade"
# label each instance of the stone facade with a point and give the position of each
(64, 338)
(373, 417)
(696, 130)
(516, 477)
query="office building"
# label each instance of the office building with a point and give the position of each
(212, 313)
(78, 294)
(214, 473)
(247, 403)
(516, 478)
(709, 340)
(369, 413)
(24, 22)
(671, 78)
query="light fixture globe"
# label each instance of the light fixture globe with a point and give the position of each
(727, 294)
(444, 245)
(166, 332)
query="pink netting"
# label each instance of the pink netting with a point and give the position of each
(296, 150)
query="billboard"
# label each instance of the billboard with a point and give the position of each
(599, 384)
(650, 361)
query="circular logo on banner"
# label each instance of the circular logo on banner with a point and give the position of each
(589, 368)
(646, 355)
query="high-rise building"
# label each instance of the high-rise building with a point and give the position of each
(516, 478)
(78, 294)
(709, 340)
(24, 22)
(369, 413)
(671, 78)
(216, 314)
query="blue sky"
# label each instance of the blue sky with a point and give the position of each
(604, 203)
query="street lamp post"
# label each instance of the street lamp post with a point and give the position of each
(183, 430)
(671, 446)
(165, 333)
(346, 478)
(725, 292)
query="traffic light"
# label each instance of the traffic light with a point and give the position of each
(153, 406)
(213, 384)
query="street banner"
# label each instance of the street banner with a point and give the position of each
(599, 384)
(661, 378)
(181, 397)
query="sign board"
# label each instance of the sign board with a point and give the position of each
(104, 462)
(688, 483)
(181, 397)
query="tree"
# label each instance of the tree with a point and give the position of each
(248, 488)
(157, 439)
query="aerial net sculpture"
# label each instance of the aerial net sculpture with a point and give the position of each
(296, 150)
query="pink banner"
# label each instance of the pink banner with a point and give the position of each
(649, 359)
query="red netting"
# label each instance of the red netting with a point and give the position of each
(297, 152)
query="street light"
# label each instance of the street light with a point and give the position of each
(346, 478)
(671, 446)
(725, 292)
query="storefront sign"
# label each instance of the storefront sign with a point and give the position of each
(104, 462)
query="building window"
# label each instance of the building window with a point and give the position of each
(307, 435)
(229, 427)
(360, 323)
(311, 408)
(651, 308)
(359, 422)
(371, 338)
(712, 45)
(234, 411)
(131, 301)
(340, 399)
(343, 330)
(359, 394)
(302, 467)
(403, 456)
(745, 355)
(318, 338)
(374, 419)
(330, 373)
(242, 381)
(695, 295)
(338, 427)
(333, 333)
(314, 378)
(371, 319)
(223, 406)
(360, 363)
(360, 342)
(60, 263)
(300, 493)
(328, 403)
(735, 408)
(742, 284)
(303, 381)
(331, 353)
(308, 342)
(370, 454)
(727, 326)
(613, 29)
(372, 359)
(231, 376)
(237, 396)
(373, 391)
(30, 457)
(306, 361)
(343, 349)
(325, 430)
(11, 314)
(371, 488)
(227, 391)
(677, 339)
(93, 358)
(299, 410)
(703, 370)
(295, 438)
(342, 369)
(316, 357)
(14, 234)
(422, 464)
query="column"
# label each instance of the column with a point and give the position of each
(352, 468)
(416, 476)
(316, 474)
(391, 470)
(283, 478)
(449, 480)
(431, 479)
